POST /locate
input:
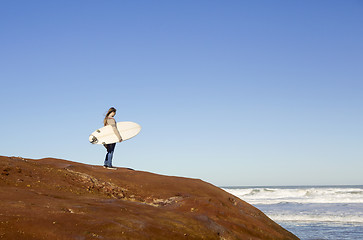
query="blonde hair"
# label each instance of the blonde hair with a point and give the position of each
(111, 110)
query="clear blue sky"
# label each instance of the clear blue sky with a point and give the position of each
(232, 92)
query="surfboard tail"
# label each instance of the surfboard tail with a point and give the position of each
(93, 140)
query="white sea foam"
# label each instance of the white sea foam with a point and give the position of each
(328, 205)
(299, 195)
(311, 218)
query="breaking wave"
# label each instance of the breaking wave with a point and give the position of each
(299, 195)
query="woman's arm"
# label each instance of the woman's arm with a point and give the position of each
(112, 122)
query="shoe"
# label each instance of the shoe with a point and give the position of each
(112, 168)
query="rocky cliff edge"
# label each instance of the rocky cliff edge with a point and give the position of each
(58, 199)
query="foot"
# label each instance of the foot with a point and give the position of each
(110, 167)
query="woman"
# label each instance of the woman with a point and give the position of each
(109, 120)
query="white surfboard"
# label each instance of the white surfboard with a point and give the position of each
(106, 135)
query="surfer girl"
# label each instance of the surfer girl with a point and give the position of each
(109, 120)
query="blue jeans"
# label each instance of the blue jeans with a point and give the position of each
(110, 149)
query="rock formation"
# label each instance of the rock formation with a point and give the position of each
(59, 199)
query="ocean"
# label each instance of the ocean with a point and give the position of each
(310, 212)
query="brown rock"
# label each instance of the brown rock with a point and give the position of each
(59, 199)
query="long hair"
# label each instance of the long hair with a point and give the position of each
(111, 110)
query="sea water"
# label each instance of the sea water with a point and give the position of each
(310, 212)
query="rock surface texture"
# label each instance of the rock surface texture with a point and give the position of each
(59, 199)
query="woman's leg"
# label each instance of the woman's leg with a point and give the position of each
(109, 155)
(106, 158)
(112, 149)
